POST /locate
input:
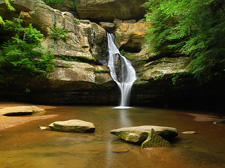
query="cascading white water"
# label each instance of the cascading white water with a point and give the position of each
(127, 74)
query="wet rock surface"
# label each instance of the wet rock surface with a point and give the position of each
(148, 135)
(154, 140)
(73, 126)
(20, 110)
(121, 149)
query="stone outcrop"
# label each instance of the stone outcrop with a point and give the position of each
(108, 26)
(79, 81)
(108, 10)
(67, 71)
(148, 135)
(104, 10)
(84, 40)
(130, 36)
(20, 110)
(73, 126)
(164, 66)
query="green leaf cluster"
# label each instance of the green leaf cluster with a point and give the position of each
(195, 28)
(10, 7)
(58, 33)
(68, 58)
(23, 53)
(50, 2)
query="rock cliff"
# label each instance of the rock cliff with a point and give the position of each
(104, 10)
(162, 79)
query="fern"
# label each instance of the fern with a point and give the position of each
(23, 53)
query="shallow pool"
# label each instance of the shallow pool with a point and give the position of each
(26, 146)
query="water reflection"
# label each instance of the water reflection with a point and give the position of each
(125, 120)
(26, 146)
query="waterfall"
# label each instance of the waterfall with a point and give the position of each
(121, 70)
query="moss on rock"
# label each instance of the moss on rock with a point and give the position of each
(154, 140)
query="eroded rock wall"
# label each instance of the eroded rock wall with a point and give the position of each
(162, 79)
(104, 10)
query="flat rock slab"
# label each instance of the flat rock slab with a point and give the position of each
(20, 110)
(73, 126)
(140, 133)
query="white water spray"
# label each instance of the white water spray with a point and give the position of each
(126, 75)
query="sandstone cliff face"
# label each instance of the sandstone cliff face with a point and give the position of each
(86, 82)
(131, 36)
(86, 41)
(104, 10)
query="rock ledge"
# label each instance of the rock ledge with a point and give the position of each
(20, 110)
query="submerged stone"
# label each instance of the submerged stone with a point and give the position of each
(121, 149)
(189, 132)
(73, 126)
(43, 127)
(20, 110)
(150, 133)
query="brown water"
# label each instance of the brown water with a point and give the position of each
(26, 146)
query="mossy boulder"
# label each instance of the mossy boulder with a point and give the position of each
(148, 135)
(154, 140)
(73, 126)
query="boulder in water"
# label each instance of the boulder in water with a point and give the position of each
(73, 126)
(154, 140)
(148, 135)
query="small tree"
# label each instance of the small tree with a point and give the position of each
(23, 53)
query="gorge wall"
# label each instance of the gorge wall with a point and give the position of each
(163, 80)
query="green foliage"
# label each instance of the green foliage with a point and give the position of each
(194, 28)
(27, 90)
(68, 58)
(23, 53)
(57, 34)
(1, 21)
(178, 77)
(74, 3)
(10, 7)
(50, 2)
(76, 21)
(128, 55)
(8, 4)
(100, 71)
